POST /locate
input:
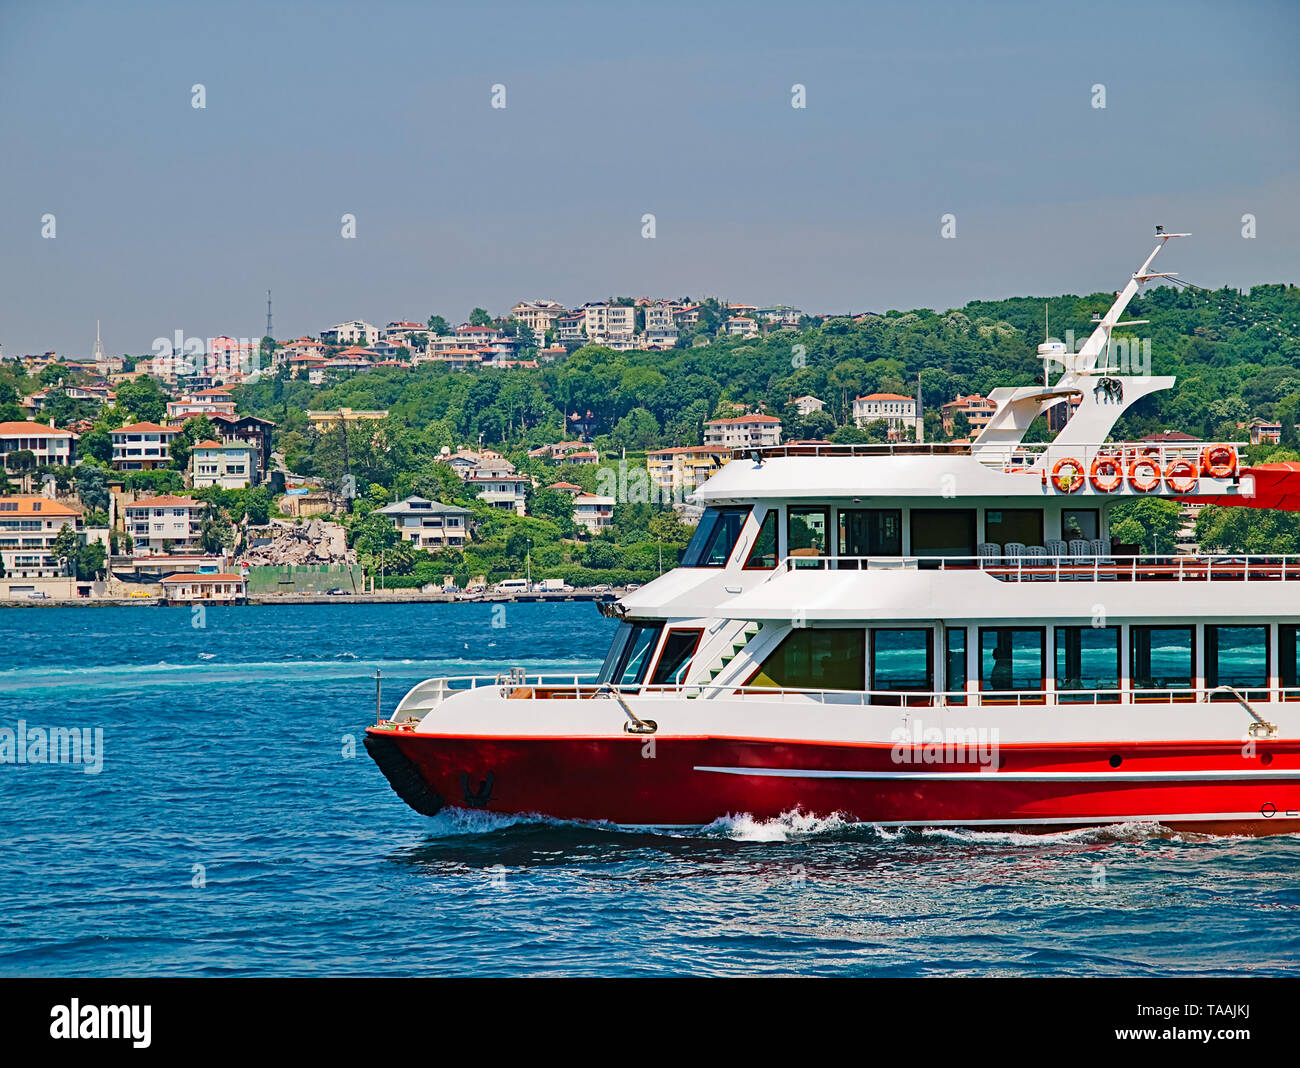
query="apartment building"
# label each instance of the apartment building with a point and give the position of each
(163, 525)
(28, 528)
(593, 512)
(429, 524)
(661, 325)
(49, 444)
(502, 491)
(209, 402)
(743, 432)
(742, 326)
(142, 446)
(353, 332)
(326, 420)
(675, 472)
(807, 404)
(228, 465)
(609, 323)
(979, 410)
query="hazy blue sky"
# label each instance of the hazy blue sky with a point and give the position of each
(174, 218)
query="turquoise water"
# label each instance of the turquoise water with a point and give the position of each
(238, 828)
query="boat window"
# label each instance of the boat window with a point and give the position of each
(1162, 658)
(814, 658)
(715, 537)
(869, 532)
(1025, 525)
(1087, 658)
(1288, 663)
(943, 532)
(628, 657)
(762, 557)
(1011, 659)
(1237, 657)
(955, 665)
(806, 531)
(675, 659)
(902, 659)
(1078, 523)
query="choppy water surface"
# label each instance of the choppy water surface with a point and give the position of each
(225, 765)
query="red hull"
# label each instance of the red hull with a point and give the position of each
(1193, 785)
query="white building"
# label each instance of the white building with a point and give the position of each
(807, 404)
(502, 491)
(205, 586)
(743, 432)
(660, 325)
(229, 465)
(353, 332)
(28, 527)
(593, 512)
(606, 323)
(895, 409)
(742, 326)
(538, 315)
(48, 444)
(570, 327)
(151, 521)
(142, 446)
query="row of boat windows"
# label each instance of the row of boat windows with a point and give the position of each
(932, 532)
(1010, 659)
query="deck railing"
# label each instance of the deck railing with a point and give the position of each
(534, 687)
(1212, 567)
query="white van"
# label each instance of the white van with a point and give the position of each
(515, 585)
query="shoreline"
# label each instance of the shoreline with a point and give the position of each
(379, 597)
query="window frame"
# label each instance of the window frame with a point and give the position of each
(774, 515)
(1005, 696)
(665, 638)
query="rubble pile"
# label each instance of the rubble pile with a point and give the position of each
(316, 542)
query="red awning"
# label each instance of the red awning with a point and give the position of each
(1276, 486)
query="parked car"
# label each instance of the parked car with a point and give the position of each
(632, 586)
(338, 592)
(38, 595)
(602, 588)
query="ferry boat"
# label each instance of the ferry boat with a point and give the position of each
(917, 635)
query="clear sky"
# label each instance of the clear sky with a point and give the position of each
(173, 218)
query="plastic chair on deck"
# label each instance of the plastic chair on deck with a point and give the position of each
(990, 553)
(1036, 560)
(1101, 550)
(1013, 553)
(1055, 551)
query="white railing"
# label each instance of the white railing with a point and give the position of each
(1035, 457)
(1242, 567)
(546, 687)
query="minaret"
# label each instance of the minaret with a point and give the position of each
(98, 357)
(268, 314)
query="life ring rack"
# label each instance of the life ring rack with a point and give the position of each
(1219, 461)
(1144, 474)
(1181, 476)
(1068, 475)
(1106, 473)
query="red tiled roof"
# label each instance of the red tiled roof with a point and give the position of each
(202, 576)
(29, 429)
(885, 396)
(146, 427)
(48, 507)
(165, 500)
(745, 419)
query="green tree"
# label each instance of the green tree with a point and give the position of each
(67, 546)
(480, 317)
(1149, 522)
(438, 325)
(90, 561)
(143, 399)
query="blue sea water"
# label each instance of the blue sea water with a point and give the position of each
(235, 830)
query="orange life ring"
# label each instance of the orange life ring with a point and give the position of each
(1067, 481)
(1107, 475)
(1182, 476)
(1219, 461)
(1144, 474)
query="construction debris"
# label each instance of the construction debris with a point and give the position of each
(280, 544)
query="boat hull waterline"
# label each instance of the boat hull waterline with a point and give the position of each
(689, 782)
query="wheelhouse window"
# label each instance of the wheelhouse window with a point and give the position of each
(1161, 658)
(675, 659)
(1023, 525)
(955, 665)
(762, 557)
(869, 532)
(943, 532)
(715, 537)
(629, 655)
(902, 659)
(1087, 659)
(816, 658)
(1011, 662)
(1288, 663)
(806, 531)
(1237, 657)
